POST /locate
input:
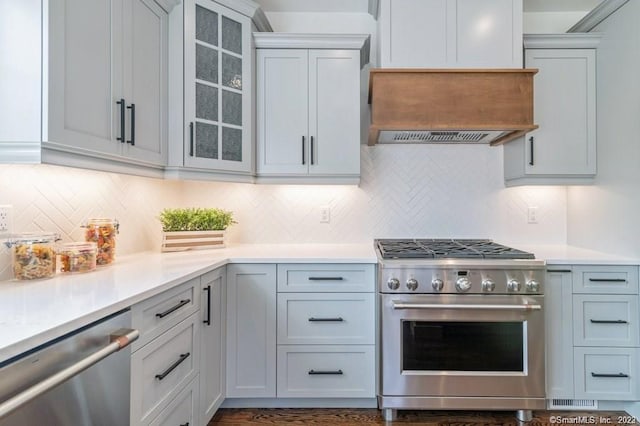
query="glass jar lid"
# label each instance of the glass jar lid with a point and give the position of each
(102, 221)
(32, 238)
(77, 247)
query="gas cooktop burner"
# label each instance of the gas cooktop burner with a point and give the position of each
(447, 249)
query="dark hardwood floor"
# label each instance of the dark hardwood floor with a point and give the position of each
(343, 417)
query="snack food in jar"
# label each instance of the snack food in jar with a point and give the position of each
(103, 232)
(33, 255)
(77, 257)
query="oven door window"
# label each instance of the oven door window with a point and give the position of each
(463, 346)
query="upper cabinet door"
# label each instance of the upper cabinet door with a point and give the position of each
(334, 107)
(146, 81)
(414, 32)
(282, 111)
(85, 78)
(218, 87)
(565, 110)
(488, 33)
(451, 33)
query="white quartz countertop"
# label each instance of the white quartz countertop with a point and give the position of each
(34, 312)
(570, 255)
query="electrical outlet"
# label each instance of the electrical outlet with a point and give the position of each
(532, 215)
(5, 219)
(325, 214)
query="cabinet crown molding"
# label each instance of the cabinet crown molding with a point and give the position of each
(250, 9)
(360, 42)
(562, 41)
(597, 15)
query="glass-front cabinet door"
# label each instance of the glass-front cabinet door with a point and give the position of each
(217, 88)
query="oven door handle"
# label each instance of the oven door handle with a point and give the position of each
(460, 306)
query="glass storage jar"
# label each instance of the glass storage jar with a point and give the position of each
(33, 255)
(77, 257)
(103, 232)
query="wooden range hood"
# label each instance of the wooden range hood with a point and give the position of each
(450, 105)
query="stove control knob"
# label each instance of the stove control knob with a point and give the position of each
(488, 285)
(393, 283)
(412, 284)
(513, 286)
(437, 284)
(463, 284)
(532, 286)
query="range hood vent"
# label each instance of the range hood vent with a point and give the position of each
(475, 106)
(446, 136)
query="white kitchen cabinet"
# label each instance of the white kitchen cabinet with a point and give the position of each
(592, 336)
(451, 33)
(559, 332)
(211, 92)
(217, 87)
(212, 343)
(309, 107)
(326, 331)
(251, 330)
(563, 149)
(162, 368)
(102, 88)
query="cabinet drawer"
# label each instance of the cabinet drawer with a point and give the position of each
(602, 320)
(606, 373)
(182, 410)
(157, 314)
(162, 368)
(326, 277)
(600, 279)
(326, 318)
(326, 371)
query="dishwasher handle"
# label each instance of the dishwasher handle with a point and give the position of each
(118, 340)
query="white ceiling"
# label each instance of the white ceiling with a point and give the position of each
(362, 5)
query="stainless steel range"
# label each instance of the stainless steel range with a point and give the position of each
(462, 326)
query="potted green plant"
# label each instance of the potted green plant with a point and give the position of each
(194, 228)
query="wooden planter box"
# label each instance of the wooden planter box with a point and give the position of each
(192, 240)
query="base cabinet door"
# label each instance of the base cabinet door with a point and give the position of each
(212, 343)
(326, 371)
(182, 410)
(251, 330)
(559, 333)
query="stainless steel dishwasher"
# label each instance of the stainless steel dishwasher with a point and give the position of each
(78, 379)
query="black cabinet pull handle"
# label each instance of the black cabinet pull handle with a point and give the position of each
(621, 375)
(185, 424)
(607, 280)
(326, 278)
(173, 366)
(531, 147)
(338, 319)
(122, 105)
(175, 308)
(609, 321)
(132, 107)
(558, 270)
(208, 290)
(191, 139)
(325, 373)
(311, 150)
(303, 151)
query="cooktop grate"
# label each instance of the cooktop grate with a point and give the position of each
(447, 249)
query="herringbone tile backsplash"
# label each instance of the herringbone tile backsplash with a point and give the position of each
(434, 191)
